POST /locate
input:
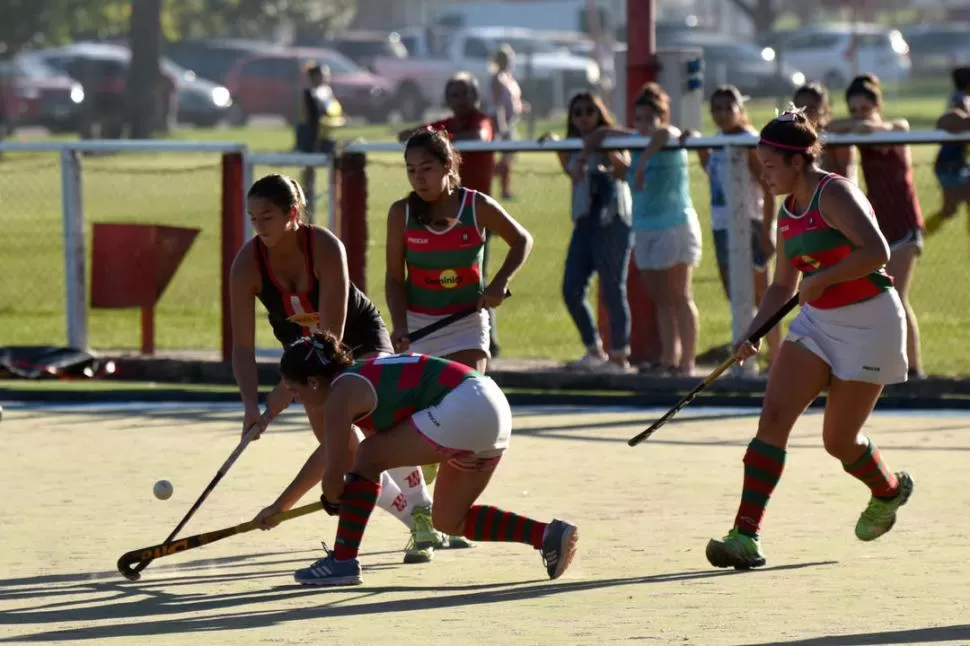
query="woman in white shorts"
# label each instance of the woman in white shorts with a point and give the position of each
(849, 338)
(667, 234)
(435, 246)
(414, 409)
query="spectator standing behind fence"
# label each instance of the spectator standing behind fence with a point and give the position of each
(667, 234)
(469, 123)
(951, 167)
(888, 171)
(602, 236)
(729, 115)
(320, 112)
(509, 107)
(813, 98)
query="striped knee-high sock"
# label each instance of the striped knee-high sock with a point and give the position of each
(763, 464)
(873, 472)
(356, 504)
(486, 523)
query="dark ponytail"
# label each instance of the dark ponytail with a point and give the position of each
(321, 356)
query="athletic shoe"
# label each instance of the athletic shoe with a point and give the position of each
(558, 547)
(880, 515)
(735, 550)
(446, 542)
(329, 571)
(420, 548)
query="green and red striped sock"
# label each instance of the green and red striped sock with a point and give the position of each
(486, 523)
(763, 464)
(356, 504)
(873, 472)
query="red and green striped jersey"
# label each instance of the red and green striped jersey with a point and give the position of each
(404, 384)
(444, 268)
(811, 244)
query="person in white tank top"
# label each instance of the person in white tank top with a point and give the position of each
(508, 108)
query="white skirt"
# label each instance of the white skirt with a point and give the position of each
(659, 249)
(471, 425)
(468, 333)
(861, 342)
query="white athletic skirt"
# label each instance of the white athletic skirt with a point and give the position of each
(468, 333)
(471, 425)
(861, 342)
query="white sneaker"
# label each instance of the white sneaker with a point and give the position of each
(589, 361)
(614, 368)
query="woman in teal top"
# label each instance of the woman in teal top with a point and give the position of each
(667, 235)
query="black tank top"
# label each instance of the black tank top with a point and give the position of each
(294, 314)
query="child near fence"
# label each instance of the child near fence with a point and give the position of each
(729, 115)
(952, 168)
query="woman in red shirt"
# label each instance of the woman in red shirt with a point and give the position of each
(888, 171)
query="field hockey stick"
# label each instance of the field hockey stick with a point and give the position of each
(220, 474)
(420, 333)
(711, 378)
(146, 555)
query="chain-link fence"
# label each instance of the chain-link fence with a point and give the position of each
(535, 322)
(170, 189)
(31, 249)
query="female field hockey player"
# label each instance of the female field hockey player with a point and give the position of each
(415, 409)
(435, 242)
(848, 338)
(299, 273)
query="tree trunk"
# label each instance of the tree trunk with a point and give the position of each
(144, 99)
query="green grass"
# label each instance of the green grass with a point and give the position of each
(183, 190)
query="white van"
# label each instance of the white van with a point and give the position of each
(544, 15)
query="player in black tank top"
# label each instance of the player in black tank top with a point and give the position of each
(293, 314)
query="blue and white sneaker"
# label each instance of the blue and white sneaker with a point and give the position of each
(558, 547)
(330, 571)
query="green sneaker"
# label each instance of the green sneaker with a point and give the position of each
(420, 548)
(880, 515)
(446, 542)
(430, 471)
(735, 550)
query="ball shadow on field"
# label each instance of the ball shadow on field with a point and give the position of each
(137, 611)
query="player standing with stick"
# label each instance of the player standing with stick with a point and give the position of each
(299, 273)
(849, 337)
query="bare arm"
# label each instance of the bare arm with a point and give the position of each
(492, 217)
(703, 154)
(395, 281)
(954, 121)
(350, 398)
(620, 161)
(242, 304)
(844, 208)
(333, 276)
(782, 288)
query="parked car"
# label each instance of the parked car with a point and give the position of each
(937, 48)
(35, 94)
(269, 83)
(200, 101)
(362, 47)
(103, 70)
(437, 54)
(213, 58)
(750, 67)
(834, 53)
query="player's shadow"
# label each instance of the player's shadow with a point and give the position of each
(956, 633)
(141, 616)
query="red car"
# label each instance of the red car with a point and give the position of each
(269, 83)
(34, 94)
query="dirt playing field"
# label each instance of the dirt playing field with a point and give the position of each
(77, 489)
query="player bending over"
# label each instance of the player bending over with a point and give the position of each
(849, 337)
(415, 409)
